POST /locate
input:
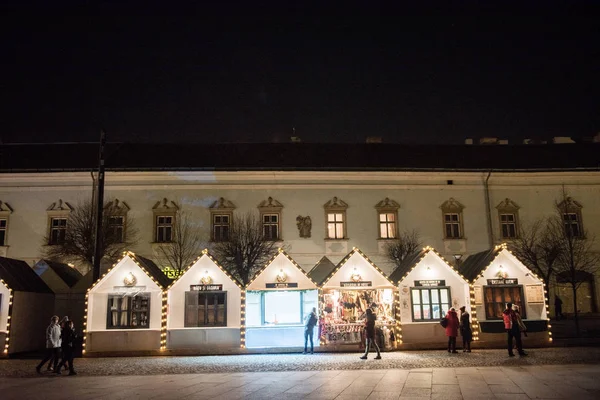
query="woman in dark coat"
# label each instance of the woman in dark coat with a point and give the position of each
(452, 330)
(370, 334)
(465, 329)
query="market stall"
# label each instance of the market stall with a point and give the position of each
(498, 277)
(125, 308)
(349, 288)
(277, 301)
(204, 308)
(428, 287)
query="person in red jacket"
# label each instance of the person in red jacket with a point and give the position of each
(452, 330)
(511, 324)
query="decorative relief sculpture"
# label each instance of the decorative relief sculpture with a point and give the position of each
(304, 225)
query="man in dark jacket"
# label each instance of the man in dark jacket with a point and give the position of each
(68, 341)
(309, 330)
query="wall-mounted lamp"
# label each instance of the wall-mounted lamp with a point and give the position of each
(281, 276)
(129, 279)
(206, 279)
(355, 276)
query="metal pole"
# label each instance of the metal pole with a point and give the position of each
(99, 210)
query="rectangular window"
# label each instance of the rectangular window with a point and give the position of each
(128, 311)
(116, 228)
(452, 225)
(387, 225)
(205, 309)
(164, 229)
(221, 225)
(430, 304)
(335, 225)
(267, 308)
(270, 226)
(508, 225)
(58, 230)
(3, 227)
(496, 298)
(572, 224)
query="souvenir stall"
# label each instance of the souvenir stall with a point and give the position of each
(204, 308)
(428, 287)
(498, 277)
(26, 306)
(354, 285)
(125, 308)
(278, 299)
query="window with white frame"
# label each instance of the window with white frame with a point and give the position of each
(221, 227)
(205, 308)
(452, 225)
(270, 224)
(335, 225)
(164, 228)
(58, 230)
(3, 229)
(387, 225)
(508, 226)
(430, 303)
(128, 311)
(496, 297)
(116, 228)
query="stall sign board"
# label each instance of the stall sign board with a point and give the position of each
(206, 288)
(357, 284)
(280, 285)
(128, 289)
(478, 294)
(503, 281)
(534, 293)
(433, 282)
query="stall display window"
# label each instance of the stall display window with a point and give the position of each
(429, 303)
(205, 309)
(128, 311)
(496, 298)
(268, 308)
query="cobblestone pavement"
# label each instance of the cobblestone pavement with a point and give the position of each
(574, 381)
(299, 362)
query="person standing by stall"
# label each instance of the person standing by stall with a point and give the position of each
(370, 334)
(68, 342)
(52, 343)
(558, 308)
(511, 324)
(465, 329)
(309, 330)
(452, 330)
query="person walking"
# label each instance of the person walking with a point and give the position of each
(511, 325)
(53, 343)
(465, 329)
(558, 308)
(370, 334)
(309, 330)
(452, 330)
(68, 342)
(52, 361)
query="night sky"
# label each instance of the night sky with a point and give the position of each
(252, 71)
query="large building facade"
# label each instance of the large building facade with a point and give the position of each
(316, 200)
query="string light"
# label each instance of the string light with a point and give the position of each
(8, 317)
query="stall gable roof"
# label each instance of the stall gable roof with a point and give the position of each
(204, 254)
(492, 256)
(409, 262)
(20, 277)
(146, 265)
(68, 274)
(268, 264)
(321, 270)
(354, 251)
(476, 263)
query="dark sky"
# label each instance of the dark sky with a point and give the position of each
(252, 71)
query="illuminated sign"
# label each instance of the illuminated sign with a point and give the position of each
(431, 282)
(503, 281)
(356, 284)
(281, 285)
(206, 288)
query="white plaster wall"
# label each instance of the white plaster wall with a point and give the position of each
(269, 275)
(176, 295)
(459, 288)
(98, 296)
(514, 269)
(3, 309)
(364, 268)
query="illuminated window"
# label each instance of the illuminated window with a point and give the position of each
(335, 219)
(164, 228)
(430, 303)
(128, 311)
(497, 296)
(205, 309)
(387, 226)
(58, 230)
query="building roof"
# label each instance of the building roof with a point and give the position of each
(20, 277)
(153, 270)
(406, 265)
(68, 274)
(321, 270)
(298, 156)
(476, 263)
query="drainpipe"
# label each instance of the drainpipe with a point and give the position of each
(488, 210)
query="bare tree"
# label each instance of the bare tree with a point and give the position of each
(577, 259)
(537, 247)
(407, 243)
(247, 248)
(186, 243)
(78, 244)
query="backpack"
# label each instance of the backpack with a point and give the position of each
(444, 322)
